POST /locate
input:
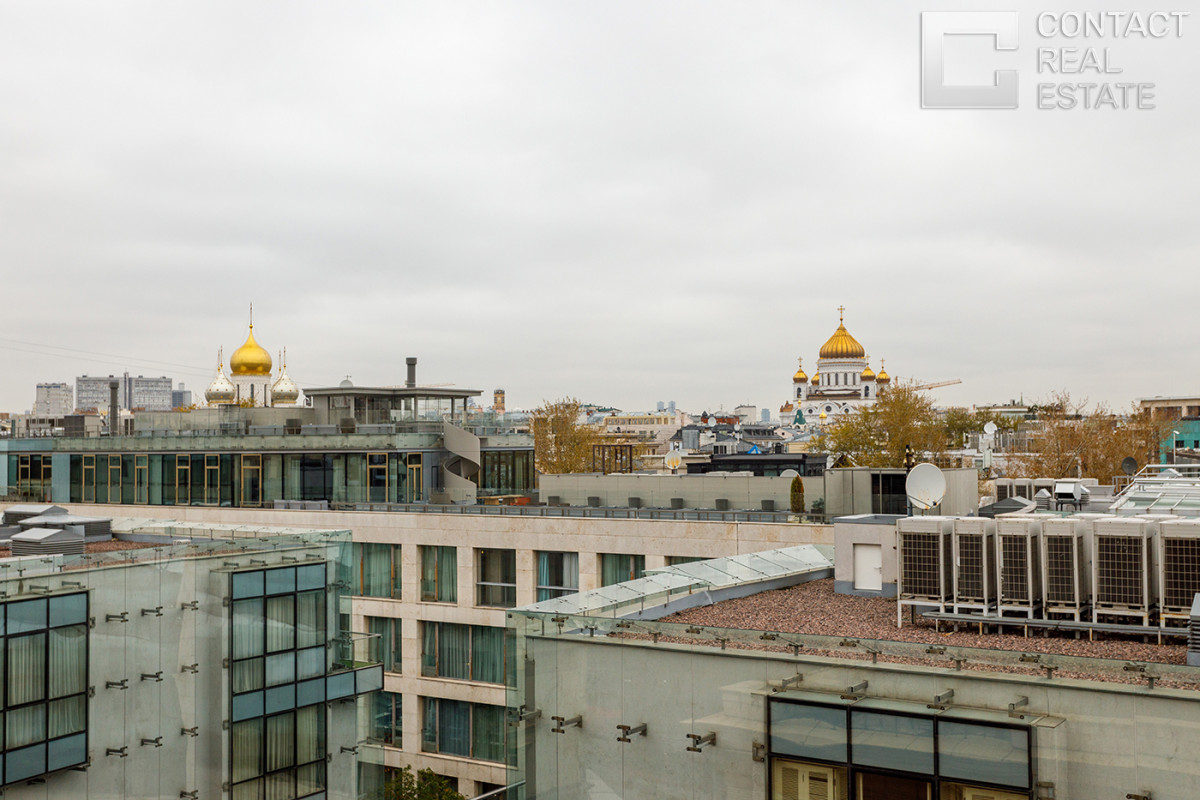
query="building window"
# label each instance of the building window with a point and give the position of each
(619, 567)
(496, 585)
(385, 717)
(673, 561)
(376, 570)
(252, 493)
(388, 630)
(45, 650)
(277, 678)
(439, 574)
(466, 652)
(557, 575)
(457, 728)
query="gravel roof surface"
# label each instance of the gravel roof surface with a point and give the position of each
(814, 608)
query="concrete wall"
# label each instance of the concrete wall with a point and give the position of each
(848, 491)
(742, 490)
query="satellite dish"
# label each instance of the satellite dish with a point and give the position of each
(926, 486)
(989, 428)
(1129, 465)
(789, 474)
(673, 459)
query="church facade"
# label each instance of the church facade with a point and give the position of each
(843, 382)
(250, 381)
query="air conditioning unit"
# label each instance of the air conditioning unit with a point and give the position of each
(792, 780)
(925, 563)
(1179, 568)
(1066, 567)
(1004, 489)
(1123, 573)
(974, 570)
(1018, 578)
(1023, 487)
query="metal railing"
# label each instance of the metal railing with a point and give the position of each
(589, 512)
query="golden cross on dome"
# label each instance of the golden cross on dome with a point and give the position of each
(841, 313)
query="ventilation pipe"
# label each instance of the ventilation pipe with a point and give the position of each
(411, 382)
(114, 413)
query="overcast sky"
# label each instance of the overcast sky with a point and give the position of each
(623, 202)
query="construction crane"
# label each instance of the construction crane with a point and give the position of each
(934, 385)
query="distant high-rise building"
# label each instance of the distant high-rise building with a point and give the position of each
(661, 406)
(181, 397)
(766, 415)
(134, 392)
(671, 406)
(498, 401)
(53, 400)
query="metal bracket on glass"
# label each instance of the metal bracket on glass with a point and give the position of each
(155, 742)
(941, 700)
(193, 732)
(39, 588)
(700, 742)
(787, 683)
(156, 677)
(121, 684)
(119, 752)
(630, 730)
(1144, 794)
(122, 617)
(564, 723)
(874, 654)
(353, 750)
(194, 794)
(758, 751)
(1020, 702)
(192, 606)
(528, 716)
(1140, 669)
(91, 691)
(74, 584)
(152, 612)
(855, 692)
(192, 668)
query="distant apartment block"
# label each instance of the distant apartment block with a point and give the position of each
(53, 400)
(133, 392)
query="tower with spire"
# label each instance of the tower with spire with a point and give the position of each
(842, 382)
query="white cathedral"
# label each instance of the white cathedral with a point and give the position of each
(843, 381)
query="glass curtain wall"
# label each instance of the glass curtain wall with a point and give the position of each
(557, 574)
(466, 652)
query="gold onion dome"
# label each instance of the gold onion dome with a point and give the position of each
(868, 374)
(883, 377)
(816, 380)
(221, 389)
(250, 358)
(842, 344)
(800, 377)
(284, 390)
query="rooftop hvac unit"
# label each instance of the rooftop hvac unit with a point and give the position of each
(14, 514)
(1193, 647)
(95, 529)
(1023, 487)
(974, 571)
(1018, 578)
(1043, 483)
(1123, 571)
(48, 541)
(1066, 567)
(1179, 568)
(925, 562)
(1004, 489)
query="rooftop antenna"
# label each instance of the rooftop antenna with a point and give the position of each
(925, 487)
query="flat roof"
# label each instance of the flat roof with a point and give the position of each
(393, 391)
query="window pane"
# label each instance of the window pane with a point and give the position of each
(68, 716)
(25, 726)
(29, 615)
(310, 663)
(281, 668)
(983, 753)
(281, 581)
(68, 660)
(281, 623)
(310, 734)
(247, 584)
(454, 651)
(281, 741)
(310, 778)
(893, 742)
(487, 659)
(68, 609)
(454, 733)
(310, 619)
(488, 733)
(26, 668)
(247, 675)
(808, 731)
(248, 626)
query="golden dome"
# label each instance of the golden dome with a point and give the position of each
(882, 377)
(250, 358)
(842, 344)
(823, 415)
(816, 379)
(800, 377)
(868, 374)
(220, 390)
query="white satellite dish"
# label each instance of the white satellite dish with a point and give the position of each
(926, 486)
(989, 428)
(673, 459)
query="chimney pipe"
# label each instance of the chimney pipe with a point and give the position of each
(114, 411)
(412, 372)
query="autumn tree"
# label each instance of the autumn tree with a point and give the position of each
(797, 495)
(1073, 444)
(875, 435)
(424, 785)
(562, 439)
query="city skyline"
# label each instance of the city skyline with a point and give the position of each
(620, 202)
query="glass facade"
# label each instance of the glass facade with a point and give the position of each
(375, 570)
(388, 631)
(44, 662)
(620, 567)
(557, 575)
(496, 582)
